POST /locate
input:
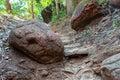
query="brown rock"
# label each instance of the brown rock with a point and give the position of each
(115, 3)
(84, 14)
(36, 40)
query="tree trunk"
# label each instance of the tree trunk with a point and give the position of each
(57, 7)
(70, 6)
(8, 6)
(32, 9)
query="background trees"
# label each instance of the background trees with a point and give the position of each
(28, 9)
(8, 6)
(70, 6)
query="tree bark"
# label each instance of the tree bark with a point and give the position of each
(32, 9)
(8, 6)
(57, 7)
(70, 6)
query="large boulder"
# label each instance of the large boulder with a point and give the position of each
(38, 41)
(110, 68)
(84, 14)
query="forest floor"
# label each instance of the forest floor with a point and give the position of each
(103, 37)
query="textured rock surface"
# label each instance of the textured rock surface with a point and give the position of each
(36, 40)
(84, 14)
(74, 49)
(88, 74)
(13, 75)
(110, 68)
(115, 3)
(85, 74)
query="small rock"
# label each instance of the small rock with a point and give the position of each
(6, 58)
(88, 74)
(69, 46)
(96, 70)
(44, 73)
(65, 42)
(14, 75)
(72, 62)
(0, 57)
(21, 61)
(78, 51)
(2, 27)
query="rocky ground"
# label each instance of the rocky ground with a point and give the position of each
(85, 53)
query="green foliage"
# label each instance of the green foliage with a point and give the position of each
(55, 17)
(115, 23)
(87, 32)
(108, 33)
(22, 8)
(102, 2)
(45, 3)
(37, 1)
(2, 6)
(37, 9)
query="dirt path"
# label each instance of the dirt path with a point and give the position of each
(101, 37)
